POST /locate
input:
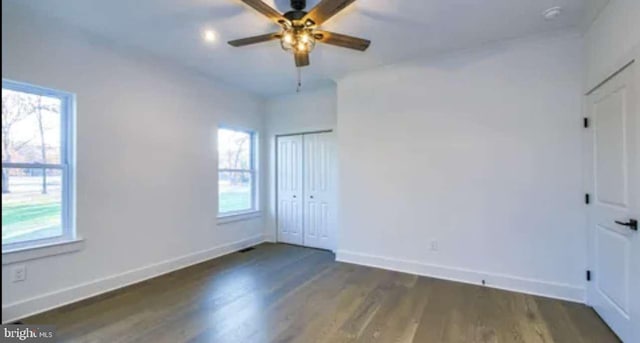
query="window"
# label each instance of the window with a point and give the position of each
(37, 204)
(236, 172)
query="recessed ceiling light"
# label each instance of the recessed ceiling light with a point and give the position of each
(552, 13)
(209, 36)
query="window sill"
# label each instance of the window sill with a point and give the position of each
(41, 251)
(225, 219)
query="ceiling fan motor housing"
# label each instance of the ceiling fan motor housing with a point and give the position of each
(295, 15)
(298, 5)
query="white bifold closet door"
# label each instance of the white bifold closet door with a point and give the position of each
(305, 190)
(289, 183)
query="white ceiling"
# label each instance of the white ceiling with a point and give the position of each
(399, 30)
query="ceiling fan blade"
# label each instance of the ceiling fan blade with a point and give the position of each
(254, 39)
(302, 59)
(341, 40)
(267, 10)
(326, 9)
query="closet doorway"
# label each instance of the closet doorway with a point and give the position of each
(305, 190)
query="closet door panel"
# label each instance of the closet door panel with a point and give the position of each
(318, 192)
(289, 179)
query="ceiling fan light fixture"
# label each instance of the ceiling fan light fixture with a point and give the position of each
(298, 40)
(287, 38)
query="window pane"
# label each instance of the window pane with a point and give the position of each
(234, 149)
(234, 192)
(30, 128)
(31, 204)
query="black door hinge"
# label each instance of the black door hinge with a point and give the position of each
(586, 122)
(587, 199)
(588, 275)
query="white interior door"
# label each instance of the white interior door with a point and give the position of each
(289, 189)
(318, 190)
(613, 174)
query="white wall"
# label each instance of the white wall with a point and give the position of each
(310, 110)
(307, 111)
(146, 162)
(612, 40)
(479, 151)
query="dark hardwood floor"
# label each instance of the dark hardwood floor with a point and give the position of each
(281, 293)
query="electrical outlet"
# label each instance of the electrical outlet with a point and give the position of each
(18, 273)
(434, 245)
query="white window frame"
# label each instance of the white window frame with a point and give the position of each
(66, 165)
(253, 170)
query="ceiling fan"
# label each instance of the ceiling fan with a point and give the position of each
(300, 32)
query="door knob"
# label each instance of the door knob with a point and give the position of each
(632, 224)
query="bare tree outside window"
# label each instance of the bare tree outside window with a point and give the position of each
(236, 173)
(32, 165)
(15, 108)
(21, 113)
(41, 107)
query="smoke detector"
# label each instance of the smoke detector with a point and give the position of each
(552, 13)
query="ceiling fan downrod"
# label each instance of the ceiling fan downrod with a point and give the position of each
(298, 5)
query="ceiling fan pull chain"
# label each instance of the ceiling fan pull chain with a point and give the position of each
(299, 87)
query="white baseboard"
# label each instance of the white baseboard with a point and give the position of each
(29, 307)
(505, 282)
